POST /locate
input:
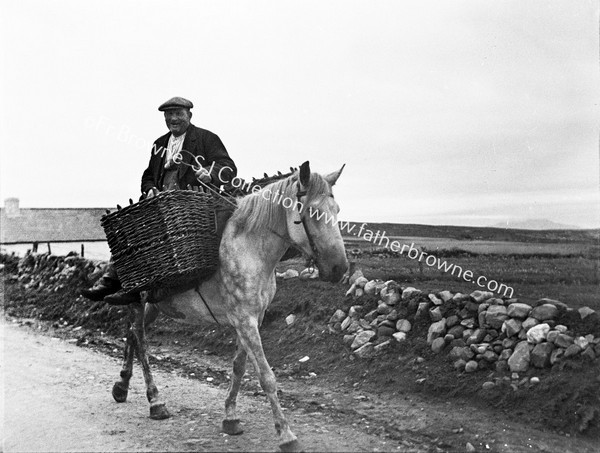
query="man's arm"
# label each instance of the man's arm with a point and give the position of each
(224, 169)
(148, 181)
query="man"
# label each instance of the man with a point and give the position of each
(182, 157)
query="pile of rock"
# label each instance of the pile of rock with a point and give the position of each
(477, 330)
(51, 273)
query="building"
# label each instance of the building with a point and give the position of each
(33, 226)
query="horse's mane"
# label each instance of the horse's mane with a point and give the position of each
(265, 209)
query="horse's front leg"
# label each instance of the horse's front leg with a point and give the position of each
(250, 339)
(158, 410)
(231, 424)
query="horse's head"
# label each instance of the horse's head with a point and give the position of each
(313, 226)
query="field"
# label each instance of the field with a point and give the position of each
(565, 269)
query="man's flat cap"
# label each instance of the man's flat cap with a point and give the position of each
(176, 103)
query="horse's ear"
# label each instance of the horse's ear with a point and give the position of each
(331, 178)
(305, 174)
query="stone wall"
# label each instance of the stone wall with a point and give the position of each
(477, 331)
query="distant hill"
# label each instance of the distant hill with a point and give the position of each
(535, 224)
(481, 233)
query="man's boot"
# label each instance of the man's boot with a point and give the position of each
(108, 284)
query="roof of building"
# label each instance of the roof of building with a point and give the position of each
(51, 225)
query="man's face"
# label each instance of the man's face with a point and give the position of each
(178, 120)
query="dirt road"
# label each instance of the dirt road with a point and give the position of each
(57, 398)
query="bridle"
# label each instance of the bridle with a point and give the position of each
(314, 258)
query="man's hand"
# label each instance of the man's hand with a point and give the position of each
(152, 192)
(203, 175)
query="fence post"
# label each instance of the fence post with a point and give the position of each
(82, 251)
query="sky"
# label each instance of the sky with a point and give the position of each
(444, 112)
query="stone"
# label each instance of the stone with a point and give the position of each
(353, 327)
(459, 365)
(512, 327)
(358, 293)
(588, 354)
(387, 323)
(422, 309)
(561, 328)
(564, 340)
(348, 339)
(385, 331)
(557, 303)
(495, 301)
(556, 355)
(572, 350)
(290, 319)
(481, 296)
(488, 385)
(544, 312)
(471, 366)
(552, 336)
(338, 316)
(501, 366)
(438, 345)
(355, 311)
(371, 315)
(392, 316)
(452, 321)
(382, 346)
(446, 295)
(460, 297)
(464, 353)
(403, 325)
(519, 360)
(373, 287)
(455, 331)
(435, 314)
(346, 323)
(584, 312)
(436, 301)
(582, 342)
(540, 355)
(390, 296)
(437, 329)
(354, 277)
(469, 323)
(476, 337)
(399, 336)
(472, 307)
(410, 292)
(505, 354)
(490, 356)
(362, 338)
(529, 323)
(518, 310)
(495, 316)
(365, 351)
(290, 273)
(364, 324)
(538, 333)
(384, 309)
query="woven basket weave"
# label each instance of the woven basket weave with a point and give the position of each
(165, 240)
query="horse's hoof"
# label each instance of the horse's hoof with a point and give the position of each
(292, 445)
(119, 392)
(232, 427)
(159, 412)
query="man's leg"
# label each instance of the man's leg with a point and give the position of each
(107, 284)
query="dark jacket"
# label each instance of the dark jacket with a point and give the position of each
(199, 146)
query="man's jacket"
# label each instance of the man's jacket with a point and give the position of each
(199, 147)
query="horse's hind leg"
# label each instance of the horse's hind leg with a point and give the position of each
(158, 410)
(250, 339)
(231, 424)
(120, 388)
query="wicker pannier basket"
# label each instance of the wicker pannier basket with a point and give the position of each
(165, 240)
